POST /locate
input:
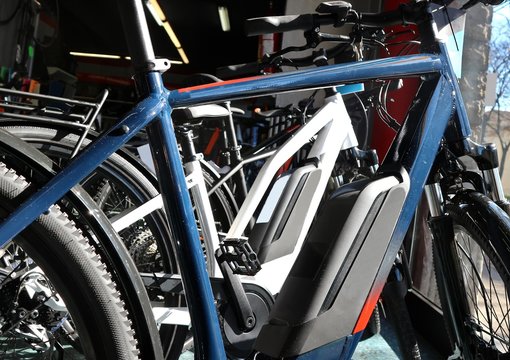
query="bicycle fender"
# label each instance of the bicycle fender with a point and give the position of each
(482, 208)
(91, 135)
(477, 200)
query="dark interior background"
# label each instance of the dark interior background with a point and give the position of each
(95, 26)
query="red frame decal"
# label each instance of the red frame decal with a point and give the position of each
(215, 84)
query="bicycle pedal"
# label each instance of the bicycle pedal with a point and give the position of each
(239, 256)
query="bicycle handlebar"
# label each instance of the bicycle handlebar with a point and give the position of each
(276, 24)
(336, 13)
(405, 14)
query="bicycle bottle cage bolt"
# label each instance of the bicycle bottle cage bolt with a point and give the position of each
(122, 130)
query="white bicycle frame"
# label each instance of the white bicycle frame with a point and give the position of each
(331, 131)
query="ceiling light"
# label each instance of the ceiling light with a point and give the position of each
(224, 19)
(171, 34)
(183, 55)
(103, 56)
(154, 13)
(161, 19)
(107, 56)
(178, 62)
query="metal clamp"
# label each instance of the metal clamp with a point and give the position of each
(160, 65)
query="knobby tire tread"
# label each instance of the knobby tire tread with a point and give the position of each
(77, 271)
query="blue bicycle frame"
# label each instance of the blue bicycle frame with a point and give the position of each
(414, 148)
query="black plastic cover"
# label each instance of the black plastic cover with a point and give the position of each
(341, 8)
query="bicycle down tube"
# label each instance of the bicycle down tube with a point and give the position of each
(409, 150)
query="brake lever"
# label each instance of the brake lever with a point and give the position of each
(313, 39)
(270, 59)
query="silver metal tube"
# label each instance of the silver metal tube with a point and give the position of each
(494, 180)
(204, 212)
(131, 215)
(238, 167)
(434, 199)
(45, 97)
(44, 119)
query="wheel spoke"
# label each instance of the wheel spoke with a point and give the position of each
(484, 290)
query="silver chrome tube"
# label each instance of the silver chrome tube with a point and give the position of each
(204, 211)
(434, 199)
(492, 178)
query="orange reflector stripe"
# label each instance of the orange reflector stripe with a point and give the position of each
(220, 83)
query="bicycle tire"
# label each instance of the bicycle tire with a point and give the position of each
(58, 143)
(396, 307)
(72, 264)
(122, 172)
(480, 227)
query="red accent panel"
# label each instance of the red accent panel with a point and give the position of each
(368, 308)
(215, 84)
(382, 135)
(284, 167)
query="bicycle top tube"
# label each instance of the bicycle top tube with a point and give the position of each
(396, 67)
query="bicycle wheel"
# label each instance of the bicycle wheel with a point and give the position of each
(481, 255)
(118, 185)
(58, 299)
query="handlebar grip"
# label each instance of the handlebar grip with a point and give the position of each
(277, 24)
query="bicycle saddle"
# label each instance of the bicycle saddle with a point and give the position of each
(195, 115)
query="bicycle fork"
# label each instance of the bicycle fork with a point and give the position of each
(441, 226)
(444, 244)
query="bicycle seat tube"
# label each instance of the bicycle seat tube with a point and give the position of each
(173, 186)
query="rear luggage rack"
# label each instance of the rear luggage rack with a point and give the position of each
(21, 105)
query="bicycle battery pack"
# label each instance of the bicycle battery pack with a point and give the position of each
(284, 213)
(328, 285)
